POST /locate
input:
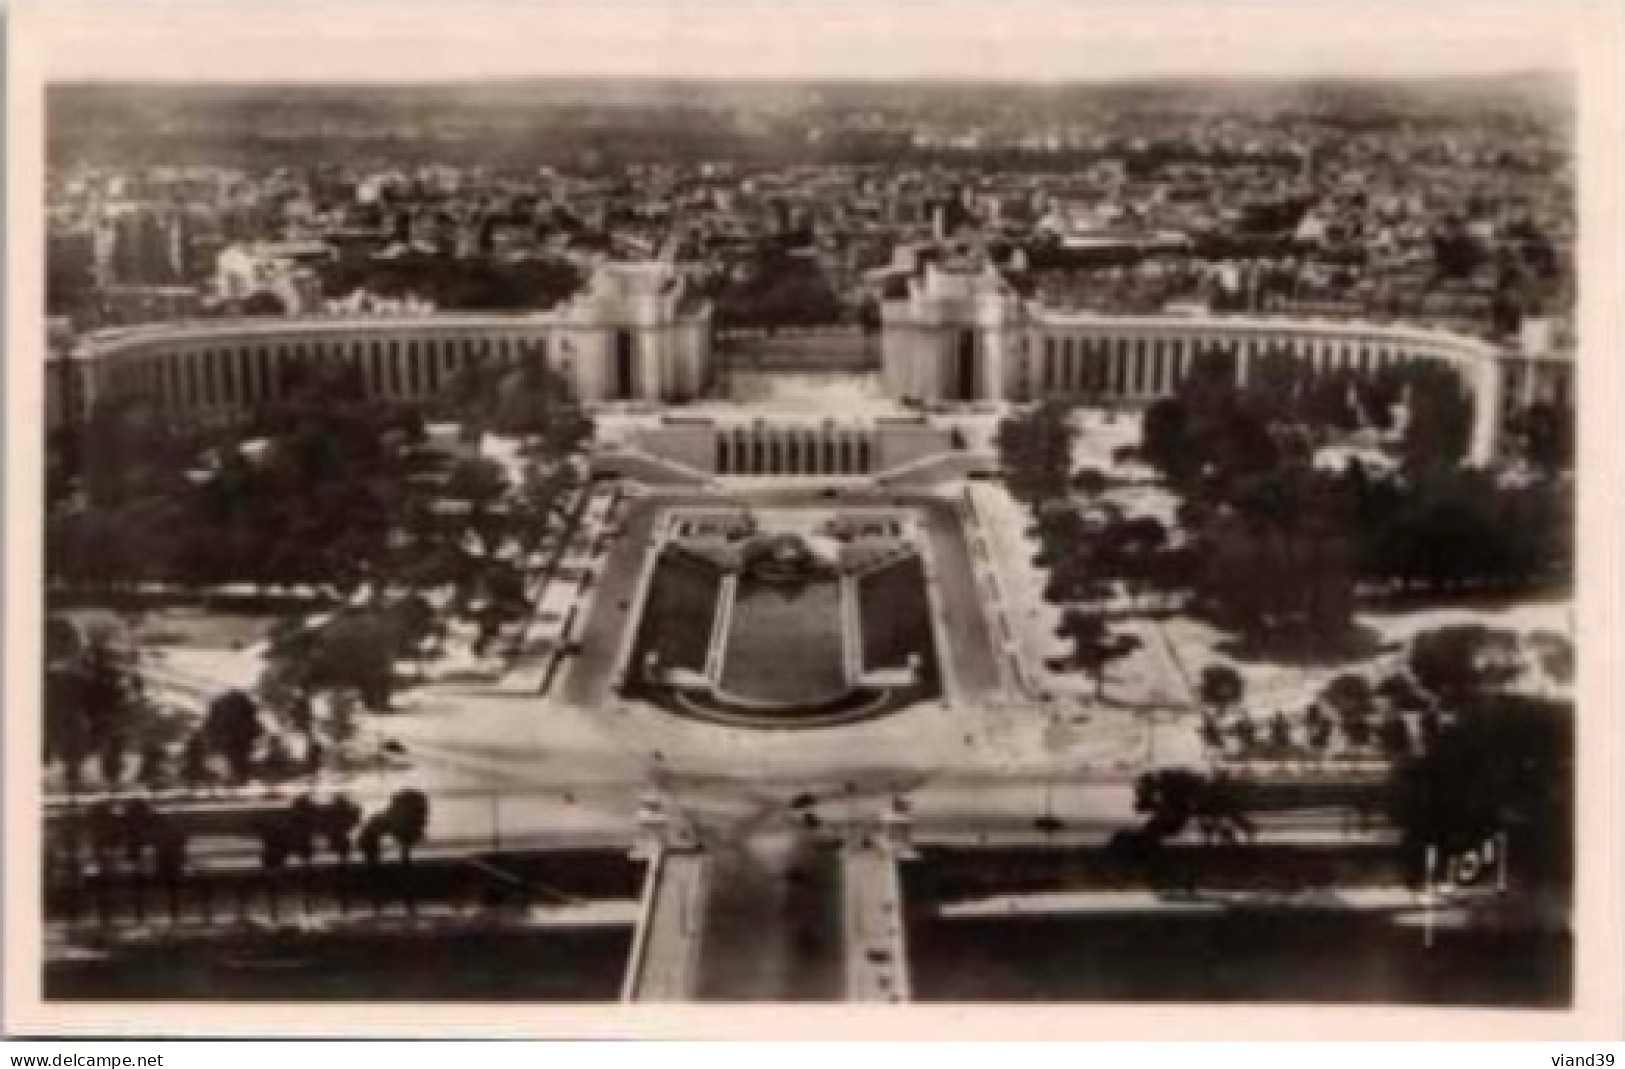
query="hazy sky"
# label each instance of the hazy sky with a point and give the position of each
(389, 40)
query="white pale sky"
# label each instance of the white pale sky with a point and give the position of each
(1042, 40)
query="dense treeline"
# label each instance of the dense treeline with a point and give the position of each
(1271, 542)
(454, 284)
(317, 489)
(776, 288)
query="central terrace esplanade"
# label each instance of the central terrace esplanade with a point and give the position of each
(636, 333)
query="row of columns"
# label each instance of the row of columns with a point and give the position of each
(794, 451)
(1150, 367)
(236, 377)
(1143, 368)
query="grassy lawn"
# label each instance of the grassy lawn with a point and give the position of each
(784, 644)
(678, 613)
(896, 617)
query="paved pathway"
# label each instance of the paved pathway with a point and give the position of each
(965, 623)
(591, 673)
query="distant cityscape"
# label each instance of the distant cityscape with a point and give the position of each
(1445, 204)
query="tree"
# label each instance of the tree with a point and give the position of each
(169, 844)
(1090, 482)
(1280, 733)
(275, 846)
(62, 642)
(140, 825)
(1357, 730)
(1061, 534)
(342, 728)
(113, 764)
(408, 817)
(355, 651)
(537, 403)
(1448, 528)
(1546, 433)
(1035, 452)
(277, 764)
(231, 727)
(1401, 693)
(1221, 687)
(1506, 766)
(194, 770)
(95, 705)
(478, 482)
(1349, 696)
(1165, 439)
(406, 820)
(542, 507)
(152, 767)
(1135, 549)
(1222, 810)
(1246, 733)
(1394, 736)
(1172, 798)
(105, 829)
(1094, 647)
(1456, 253)
(1556, 655)
(1439, 416)
(301, 824)
(263, 303)
(1274, 561)
(1320, 734)
(336, 822)
(1462, 661)
(67, 726)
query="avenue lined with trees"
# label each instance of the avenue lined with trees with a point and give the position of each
(1272, 543)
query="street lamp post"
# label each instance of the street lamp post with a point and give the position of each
(1431, 860)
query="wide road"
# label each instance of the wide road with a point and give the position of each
(970, 639)
(591, 672)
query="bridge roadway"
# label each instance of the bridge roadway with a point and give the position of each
(875, 942)
(765, 914)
